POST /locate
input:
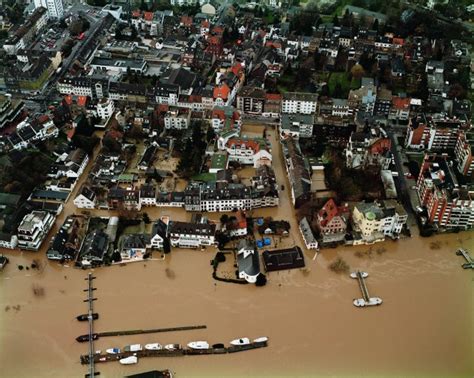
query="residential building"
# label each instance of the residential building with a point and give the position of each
(272, 105)
(8, 240)
(464, 153)
(148, 157)
(283, 259)
(95, 248)
(251, 100)
(10, 109)
(147, 195)
(86, 199)
(195, 234)
(28, 132)
(248, 262)
(298, 172)
(237, 225)
(296, 125)
(368, 149)
(448, 204)
(55, 7)
(373, 221)
(135, 246)
(225, 118)
(307, 234)
(65, 245)
(436, 133)
(159, 236)
(332, 221)
(34, 228)
(295, 102)
(246, 151)
(177, 119)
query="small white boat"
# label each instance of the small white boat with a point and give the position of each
(172, 347)
(133, 348)
(153, 346)
(129, 360)
(364, 274)
(242, 341)
(263, 339)
(198, 345)
(113, 350)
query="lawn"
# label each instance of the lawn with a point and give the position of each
(206, 177)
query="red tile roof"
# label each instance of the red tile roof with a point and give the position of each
(148, 16)
(400, 103)
(221, 91)
(273, 96)
(136, 13)
(248, 143)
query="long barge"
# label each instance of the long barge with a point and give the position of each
(99, 358)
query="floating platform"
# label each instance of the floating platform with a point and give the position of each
(367, 300)
(470, 261)
(98, 358)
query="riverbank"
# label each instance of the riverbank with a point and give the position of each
(423, 328)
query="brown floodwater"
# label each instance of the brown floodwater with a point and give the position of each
(423, 328)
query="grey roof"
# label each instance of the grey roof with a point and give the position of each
(135, 241)
(250, 264)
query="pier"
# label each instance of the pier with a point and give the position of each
(95, 336)
(366, 300)
(470, 261)
(90, 317)
(98, 358)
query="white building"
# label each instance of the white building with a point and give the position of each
(86, 199)
(307, 234)
(374, 221)
(191, 235)
(33, 229)
(177, 119)
(55, 7)
(248, 261)
(8, 241)
(105, 109)
(249, 151)
(295, 102)
(296, 125)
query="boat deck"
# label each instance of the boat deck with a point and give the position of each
(98, 358)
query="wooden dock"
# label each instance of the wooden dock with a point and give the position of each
(90, 299)
(98, 358)
(95, 336)
(366, 299)
(469, 260)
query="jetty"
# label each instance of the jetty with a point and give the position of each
(95, 336)
(366, 299)
(469, 260)
(90, 299)
(98, 357)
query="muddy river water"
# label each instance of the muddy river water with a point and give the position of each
(423, 328)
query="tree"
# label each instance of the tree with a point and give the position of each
(357, 71)
(375, 25)
(210, 135)
(224, 219)
(335, 20)
(111, 144)
(338, 92)
(261, 280)
(86, 143)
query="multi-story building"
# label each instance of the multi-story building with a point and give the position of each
(86, 199)
(368, 149)
(195, 234)
(247, 151)
(373, 221)
(105, 109)
(26, 32)
(10, 109)
(55, 7)
(464, 153)
(177, 119)
(447, 203)
(296, 102)
(436, 133)
(214, 197)
(119, 66)
(298, 172)
(296, 125)
(40, 128)
(34, 228)
(225, 118)
(251, 100)
(248, 262)
(332, 221)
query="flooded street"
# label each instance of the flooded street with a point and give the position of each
(424, 326)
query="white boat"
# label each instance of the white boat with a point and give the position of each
(198, 345)
(129, 360)
(263, 339)
(172, 347)
(153, 346)
(113, 350)
(242, 341)
(133, 348)
(364, 274)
